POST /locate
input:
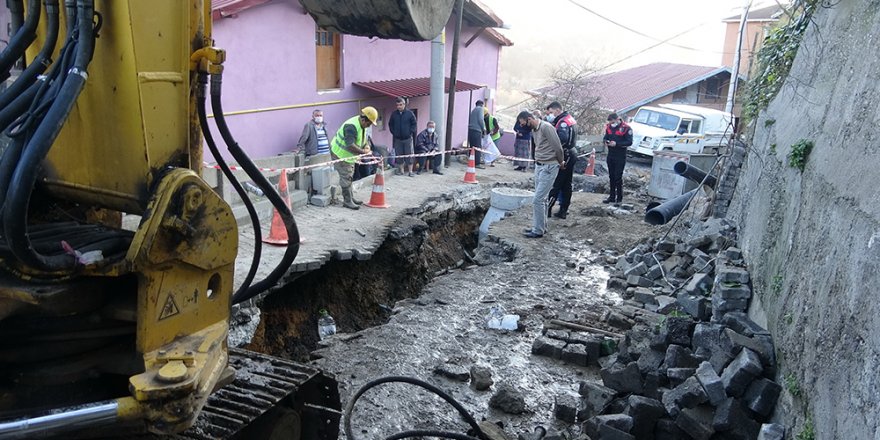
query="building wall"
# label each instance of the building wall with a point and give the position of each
(271, 63)
(696, 95)
(753, 38)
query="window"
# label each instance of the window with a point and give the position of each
(328, 57)
(713, 88)
(657, 119)
(680, 95)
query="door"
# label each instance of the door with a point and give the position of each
(328, 55)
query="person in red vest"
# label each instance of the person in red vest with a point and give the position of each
(618, 136)
(565, 129)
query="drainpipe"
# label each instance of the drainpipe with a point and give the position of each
(453, 71)
(731, 89)
(438, 61)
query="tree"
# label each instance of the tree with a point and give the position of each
(575, 87)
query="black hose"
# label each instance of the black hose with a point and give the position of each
(439, 434)
(252, 212)
(26, 35)
(41, 62)
(254, 173)
(16, 12)
(349, 408)
(26, 173)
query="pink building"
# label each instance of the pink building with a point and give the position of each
(280, 67)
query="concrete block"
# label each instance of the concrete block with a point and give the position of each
(711, 382)
(481, 378)
(644, 296)
(733, 253)
(652, 383)
(634, 255)
(624, 379)
(644, 412)
(575, 354)
(620, 422)
(742, 324)
(559, 335)
(595, 397)
(677, 376)
(635, 280)
(673, 262)
(702, 265)
(666, 245)
(650, 360)
(687, 395)
(696, 422)
(654, 272)
(698, 285)
(732, 291)
(566, 407)
(733, 422)
(322, 180)
(678, 330)
(665, 303)
(739, 374)
(731, 274)
(678, 356)
(615, 283)
(721, 306)
(321, 201)
(666, 429)
(700, 241)
(698, 306)
(771, 431)
(761, 396)
(607, 432)
(548, 347)
(638, 269)
(760, 344)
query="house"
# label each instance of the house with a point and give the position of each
(625, 91)
(758, 24)
(280, 67)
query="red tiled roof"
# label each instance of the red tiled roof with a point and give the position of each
(225, 8)
(412, 87)
(627, 89)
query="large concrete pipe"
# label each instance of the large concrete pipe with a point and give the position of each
(691, 172)
(661, 214)
(413, 20)
(502, 201)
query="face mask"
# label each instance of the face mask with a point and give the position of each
(549, 118)
(430, 130)
(319, 119)
(614, 124)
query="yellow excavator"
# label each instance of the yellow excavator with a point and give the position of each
(108, 332)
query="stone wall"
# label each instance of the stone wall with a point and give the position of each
(812, 238)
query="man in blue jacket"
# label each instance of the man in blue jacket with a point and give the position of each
(403, 130)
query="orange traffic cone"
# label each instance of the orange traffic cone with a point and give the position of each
(591, 164)
(277, 232)
(377, 198)
(470, 176)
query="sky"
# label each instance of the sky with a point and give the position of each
(551, 32)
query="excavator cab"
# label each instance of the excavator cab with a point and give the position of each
(112, 331)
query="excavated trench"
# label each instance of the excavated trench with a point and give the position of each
(361, 294)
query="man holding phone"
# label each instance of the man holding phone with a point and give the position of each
(618, 136)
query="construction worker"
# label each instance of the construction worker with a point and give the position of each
(351, 141)
(618, 136)
(565, 128)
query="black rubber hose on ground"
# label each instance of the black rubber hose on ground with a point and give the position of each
(252, 212)
(41, 62)
(271, 193)
(349, 408)
(421, 434)
(23, 180)
(19, 43)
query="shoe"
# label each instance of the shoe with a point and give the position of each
(531, 234)
(438, 172)
(357, 202)
(561, 214)
(608, 200)
(411, 174)
(397, 172)
(350, 205)
(482, 167)
(527, 230)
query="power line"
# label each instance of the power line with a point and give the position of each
(637, 32)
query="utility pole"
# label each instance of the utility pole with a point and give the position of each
(734, 77)
(438, 67)
(453, 72)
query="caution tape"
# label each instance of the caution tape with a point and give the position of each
(520, 159)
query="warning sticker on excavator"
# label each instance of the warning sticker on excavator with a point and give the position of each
(169, 309)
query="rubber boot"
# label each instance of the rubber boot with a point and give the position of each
(563, 213)
(347, 199)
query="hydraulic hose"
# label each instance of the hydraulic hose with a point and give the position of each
(252, 212)
(23, 180)
(349, 409)
(254, 173)
(16, 12)
(26, 35)
(41, 62)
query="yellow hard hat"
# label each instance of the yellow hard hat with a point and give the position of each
(485, 111)
(371, 114)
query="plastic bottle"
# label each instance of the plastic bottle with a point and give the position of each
(253, 189)
(326, 325)
(495, 316)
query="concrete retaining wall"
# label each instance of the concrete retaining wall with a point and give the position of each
(812, 239)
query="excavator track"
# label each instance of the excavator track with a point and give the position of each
(270, 397)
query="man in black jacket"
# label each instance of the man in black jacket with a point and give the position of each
(403, 130)
(618, 136)
(565, 129)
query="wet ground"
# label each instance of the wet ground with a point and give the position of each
(559, 276)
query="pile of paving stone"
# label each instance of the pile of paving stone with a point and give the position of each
(705, 371)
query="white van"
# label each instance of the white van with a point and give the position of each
(679, 127)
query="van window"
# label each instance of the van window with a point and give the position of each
(657, 119)
(689, 126)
